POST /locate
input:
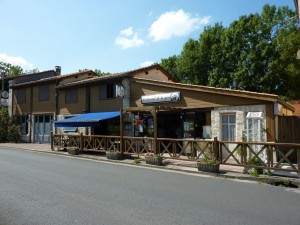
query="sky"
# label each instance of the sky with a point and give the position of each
(109, 35)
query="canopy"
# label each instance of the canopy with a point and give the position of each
(86, 120)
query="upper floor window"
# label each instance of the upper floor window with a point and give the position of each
(44, 93)
(107, 91)
(228, 127)
(71, 96)
(21, 95)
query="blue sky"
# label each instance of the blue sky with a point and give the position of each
(110, 35)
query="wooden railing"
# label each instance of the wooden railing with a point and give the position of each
(275, 156)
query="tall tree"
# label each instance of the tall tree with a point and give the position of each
(170, 65)
(255, 53)
(11, 70)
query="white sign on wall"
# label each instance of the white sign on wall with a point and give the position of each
(254, 115)
(166, 97)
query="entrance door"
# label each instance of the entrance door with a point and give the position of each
(42, 128)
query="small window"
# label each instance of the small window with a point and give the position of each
(71, 96)
(228, 127)
(44, 93)
(107, 91)
(21, 95)
(110, 91)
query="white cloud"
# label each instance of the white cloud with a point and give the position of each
(128, 39)
(175, 23)
(15, 60)
(146, 63)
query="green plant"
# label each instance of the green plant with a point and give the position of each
(137, 160)
(254, 161)
(209, 158)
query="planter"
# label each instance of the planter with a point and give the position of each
(211, 168)
(73, 151)
(114, 155)
(153, 160)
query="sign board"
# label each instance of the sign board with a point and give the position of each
(166, 97)
(120, 91)
(257, 115)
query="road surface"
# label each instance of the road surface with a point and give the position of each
(38, 188)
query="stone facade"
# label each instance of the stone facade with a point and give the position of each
(240, 112)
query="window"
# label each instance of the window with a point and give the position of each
(21, 95)
(44, 93)
(71, 96)
(107, 91)
(228, 127)
(22, 121)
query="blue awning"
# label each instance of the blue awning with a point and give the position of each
(86, 120)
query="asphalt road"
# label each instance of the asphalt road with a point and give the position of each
(38, 188)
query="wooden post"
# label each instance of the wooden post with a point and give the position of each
(121, 131)
(216, 148)
(154, 113)
(81, 142)
(298, 159)
(51, 139)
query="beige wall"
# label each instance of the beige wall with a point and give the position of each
(69, 109)
(23, 108)
(153, 74)
(41, 107)
(189, 99)
(103, 105)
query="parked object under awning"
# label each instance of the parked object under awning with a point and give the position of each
(86, 120)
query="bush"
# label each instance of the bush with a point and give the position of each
(8, 130)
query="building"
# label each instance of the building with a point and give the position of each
(90, 104)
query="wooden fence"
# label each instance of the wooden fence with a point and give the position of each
(275, 156)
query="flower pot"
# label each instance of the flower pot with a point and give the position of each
(211, 168)
(114, 155)
(73, 151)
(153, 160)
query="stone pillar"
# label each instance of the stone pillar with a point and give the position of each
(126, 98)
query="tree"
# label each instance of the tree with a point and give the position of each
(170, 64)
(11, 70)
(255, 53)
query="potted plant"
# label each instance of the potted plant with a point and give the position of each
(153, 159)
(73, 150)
(208, 163)
(113, 154)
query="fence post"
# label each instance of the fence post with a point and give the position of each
(216, 147)
(51, 139)
(81, 142)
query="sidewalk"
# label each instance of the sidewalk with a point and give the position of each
(232, 172)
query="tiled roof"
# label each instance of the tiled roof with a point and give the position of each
(117, 75)
(60, 77)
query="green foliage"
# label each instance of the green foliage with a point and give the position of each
(209, 158)
(11, 70)
(8, 130)
(137, 160)
(257, 53)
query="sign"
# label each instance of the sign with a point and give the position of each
(254, 115)
(167, 97)
(120, 91)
